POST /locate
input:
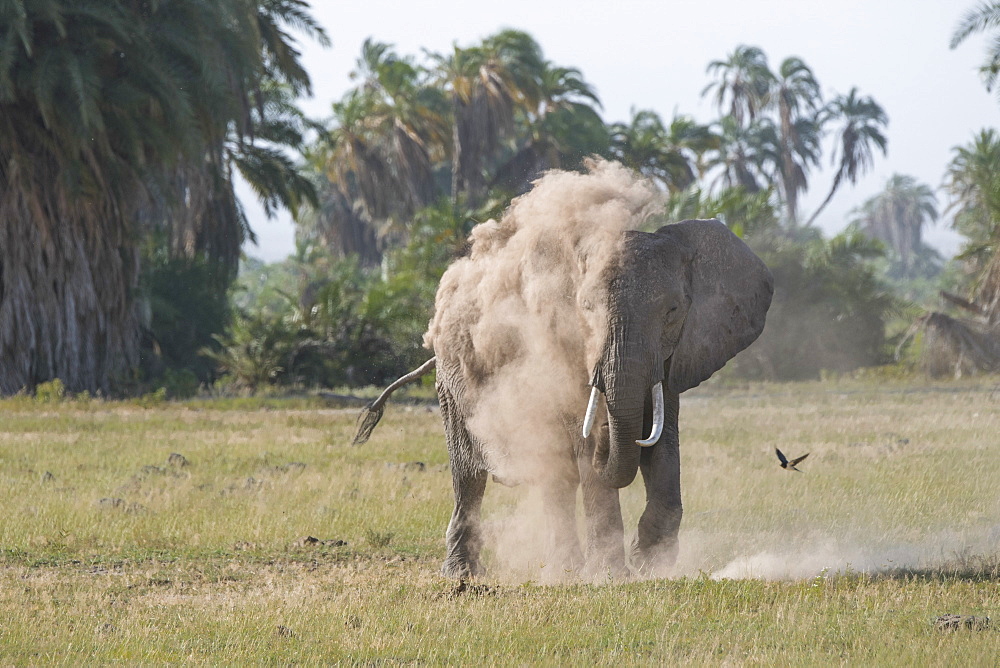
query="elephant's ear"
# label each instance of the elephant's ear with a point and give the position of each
(730, 289)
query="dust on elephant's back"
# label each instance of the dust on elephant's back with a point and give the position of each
(519, 322)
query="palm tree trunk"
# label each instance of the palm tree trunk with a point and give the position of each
(833, 189)
(791, 201)
(457, 163)
(787, 156)
(68, 272)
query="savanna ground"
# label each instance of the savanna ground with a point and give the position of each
(113, 552)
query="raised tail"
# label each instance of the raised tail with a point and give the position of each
(372, 413)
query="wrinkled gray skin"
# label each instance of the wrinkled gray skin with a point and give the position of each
(681, 303)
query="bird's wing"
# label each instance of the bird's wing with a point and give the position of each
(799, 459)
(781, 457)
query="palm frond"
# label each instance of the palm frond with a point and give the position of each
(979, 19)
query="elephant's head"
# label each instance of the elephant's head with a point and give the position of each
(681, 302)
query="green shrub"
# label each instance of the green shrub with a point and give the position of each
(829, 311)
(180, 383)
(154, 398)
(50, 392)
(378, 539)
(186, 304)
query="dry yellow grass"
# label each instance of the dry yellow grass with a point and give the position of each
(203, 563)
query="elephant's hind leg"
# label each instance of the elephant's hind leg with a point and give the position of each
(463, 540)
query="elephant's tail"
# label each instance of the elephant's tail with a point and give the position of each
(372, 413)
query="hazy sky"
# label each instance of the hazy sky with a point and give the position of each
(653, 55)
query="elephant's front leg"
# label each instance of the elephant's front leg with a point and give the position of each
(655, 548)
(558, 488)
(603, 513)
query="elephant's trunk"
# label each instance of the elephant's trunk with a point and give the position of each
(618, 463)
(658, 414)
(626, 384)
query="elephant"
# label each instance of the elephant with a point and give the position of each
(675, 305)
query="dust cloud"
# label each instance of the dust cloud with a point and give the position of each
(819, 556)
(521, 319)
(519, 552)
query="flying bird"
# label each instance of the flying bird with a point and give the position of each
(789, 465)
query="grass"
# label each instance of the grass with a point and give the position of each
(112, 552)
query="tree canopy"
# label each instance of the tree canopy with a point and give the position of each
(125, 124)
(118, 118)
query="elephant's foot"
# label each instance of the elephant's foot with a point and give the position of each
(606, 570)
(655, 560)
(556, 560)
(462, 555)
(568, 558)
(459, 568)
(606, 560)
(654, 550)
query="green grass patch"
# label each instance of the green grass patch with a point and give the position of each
(250, 531)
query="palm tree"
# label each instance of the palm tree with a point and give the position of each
(862, 122)
(352, 179)
(194, 202)
(102, 105)
(242, 89)
(694, 140)
(747, 92)
(749, 148)
(797, 97)
(407, 125)
(973, 182)
(503, 111)
(672, 156)
(977, 189)
(565, 127)
(336, 224)
(745, 80)
(488, 84)
(76, 130)
(747, 157)
(981, 19)
(375, 167)
(388, 132)
(897, 216)
(563, 89)
(274, 177)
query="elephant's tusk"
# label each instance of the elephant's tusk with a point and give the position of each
(657, 416)
(588, 419)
